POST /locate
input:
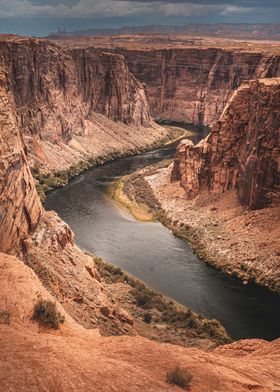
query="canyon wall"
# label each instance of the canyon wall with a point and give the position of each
(45, 102)
(74, 103)
(77, 103)
(242, 151)
(48, 101)
(20, 208)
(50, 83)
(194, 84)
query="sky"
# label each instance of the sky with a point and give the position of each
(39, 17)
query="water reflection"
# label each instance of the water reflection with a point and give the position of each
(153, 254)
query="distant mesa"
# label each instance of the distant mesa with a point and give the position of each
(226, 30)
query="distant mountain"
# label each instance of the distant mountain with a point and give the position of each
(227, 30)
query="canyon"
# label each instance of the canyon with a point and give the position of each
(242, 150)
(72, 105)
(63, 105)
(223, 193)
(188, 79)
(193, 85)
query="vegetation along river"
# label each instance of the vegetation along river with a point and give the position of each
(153, 254)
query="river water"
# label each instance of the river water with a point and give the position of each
(153, 254)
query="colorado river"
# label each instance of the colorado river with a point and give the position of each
(150, 252)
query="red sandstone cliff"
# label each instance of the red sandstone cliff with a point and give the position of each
(20, 208)
(241, 152)
(74, 104)
(74, 358)
(42, 239)
(193, 84)
(66, 98)
(45, 79)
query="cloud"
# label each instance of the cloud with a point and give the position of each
(69, 3)
(124, 8)
(240, 3)
(235, 9)
(80, 9)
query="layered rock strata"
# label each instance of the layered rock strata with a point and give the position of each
(193, 85)
(42, 240)
(20, 208)
(44, 76)
(74, 104)
(72, 357)
(242, 151)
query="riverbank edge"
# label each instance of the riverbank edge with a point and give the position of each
(179, 228)
(140, 212)
(170, 312)
(46, 183)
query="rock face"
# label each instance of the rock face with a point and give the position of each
(107, 86)
(70, 102)
(74, 358)
(20, 208)
(241, 152)
(42, 239)
(192, 84)
(51, 84)
(50, 96)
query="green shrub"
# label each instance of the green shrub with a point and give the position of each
(179, 376)
(147, 318)
(5, 317)
(192, 322)
(46, 313)
(172, 315)
(167, 311)
(244, 267)
(143, 297)
(109, 272)
(214, 330)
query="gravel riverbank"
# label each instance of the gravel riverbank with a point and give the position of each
(223, 233)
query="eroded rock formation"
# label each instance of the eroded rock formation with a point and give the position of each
(20, 208)
(74, 104)
(241, 152)
(74, 358)
(47, 100)
(39, 238)
(49, 83)
(193, 84)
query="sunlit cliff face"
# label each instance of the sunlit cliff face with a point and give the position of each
(20, 208)
(241, 152)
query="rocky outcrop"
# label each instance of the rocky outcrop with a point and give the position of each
(193, 85)
(72, 277)
(42, 239)
(51, 85)
(74, 104)
(107, 86)
(74, 358)
(20, 208)
(241, 152)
